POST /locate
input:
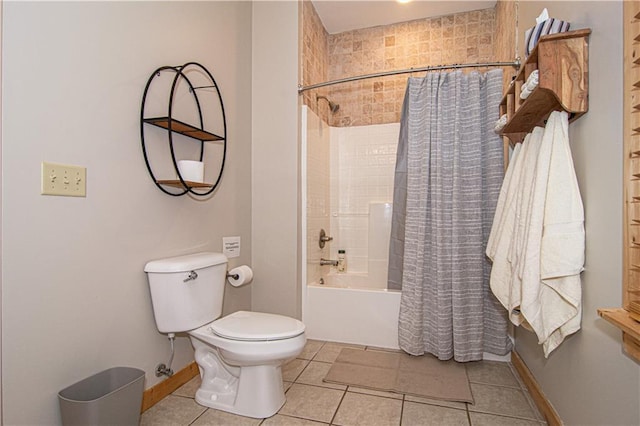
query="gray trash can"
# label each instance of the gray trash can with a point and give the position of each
(111, 397)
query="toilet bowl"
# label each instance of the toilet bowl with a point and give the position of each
(240, 356)
(242, 373)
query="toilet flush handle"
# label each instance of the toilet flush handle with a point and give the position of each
(192, 276)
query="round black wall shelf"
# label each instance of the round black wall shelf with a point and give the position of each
(180, 186)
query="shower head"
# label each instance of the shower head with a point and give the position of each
(333, 107)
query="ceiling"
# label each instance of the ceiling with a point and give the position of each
(339, 16)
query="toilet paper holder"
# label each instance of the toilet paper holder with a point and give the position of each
(240, 275)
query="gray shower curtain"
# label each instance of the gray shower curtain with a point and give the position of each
(448, 175)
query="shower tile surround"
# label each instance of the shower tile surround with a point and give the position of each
(459, 38)
(362, 167)
(500, 399)
(348, 168)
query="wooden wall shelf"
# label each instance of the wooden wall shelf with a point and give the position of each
(177, 184)
(630, 329)
(562, 61)
(183, 129)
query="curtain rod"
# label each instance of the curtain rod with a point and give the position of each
(515, 64)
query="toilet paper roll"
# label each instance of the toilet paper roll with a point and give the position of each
(244, 276)
(192, 171)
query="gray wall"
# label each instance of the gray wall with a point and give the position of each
(75, 300)
(588, 379)
(276, 159)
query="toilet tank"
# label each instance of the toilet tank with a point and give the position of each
(186, 291)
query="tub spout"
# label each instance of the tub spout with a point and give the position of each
(324, 262)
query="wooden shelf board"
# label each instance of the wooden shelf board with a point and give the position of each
(184, 129)
(621, 319)
(535, 109)
(534, 112)
(177, 184)
(630, 329)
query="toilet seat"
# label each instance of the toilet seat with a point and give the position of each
(256, 326)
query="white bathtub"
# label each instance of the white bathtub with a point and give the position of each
(344, 310)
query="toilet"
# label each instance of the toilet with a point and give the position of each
(240, 355)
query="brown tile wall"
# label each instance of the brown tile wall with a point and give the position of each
(459, 38)
(505, 39)
(315, 58)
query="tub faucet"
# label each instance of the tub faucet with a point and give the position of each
(328, 262)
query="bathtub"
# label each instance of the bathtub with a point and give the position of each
(344, 310)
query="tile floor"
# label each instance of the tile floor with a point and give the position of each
(500, 399)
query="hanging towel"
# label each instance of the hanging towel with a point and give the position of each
(554, 241)
(524, 202)
(508, 228)
(502, 231)
(501, 212)
(537, 238)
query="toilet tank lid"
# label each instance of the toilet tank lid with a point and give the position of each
(186, 263)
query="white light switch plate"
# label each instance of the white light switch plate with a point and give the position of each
(65, 180)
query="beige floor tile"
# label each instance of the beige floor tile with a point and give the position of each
(416, 414)
(280, 420)
(360, 409)
(172, 410)
(216, 417)
(441, 403)
(534, 407)
(292, 369)
(286, 385)
(190, 388)
(311, 402)
(311, 349)
(517, 376)
(314, 373)
(501, 401)
(330, 351)
(491, 373)
(481, 419)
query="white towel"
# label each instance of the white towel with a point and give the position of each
(502, 232)
(504, 243)
(523, 210)
(529, 85)
(501, 213)
(500, 123)
(537, 238)
(553, 254)
(524, 94)
(532, 80)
